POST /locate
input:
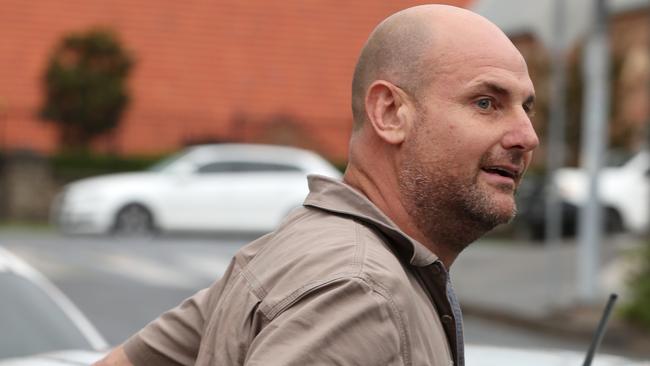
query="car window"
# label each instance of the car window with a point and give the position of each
(31, 322)
(245, 167)
(617, 158)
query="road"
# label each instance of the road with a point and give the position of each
(122, 284)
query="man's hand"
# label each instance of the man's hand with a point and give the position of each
(117, 357)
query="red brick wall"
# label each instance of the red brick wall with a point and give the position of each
(229, 70)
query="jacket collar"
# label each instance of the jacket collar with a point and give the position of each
(339, 198)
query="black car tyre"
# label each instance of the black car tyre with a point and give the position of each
(134, 220)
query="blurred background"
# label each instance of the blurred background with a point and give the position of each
(91, 88)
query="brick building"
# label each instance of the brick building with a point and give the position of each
(253, 70)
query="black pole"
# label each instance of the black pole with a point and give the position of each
(600, 332)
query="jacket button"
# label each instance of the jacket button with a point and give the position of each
(447, 319)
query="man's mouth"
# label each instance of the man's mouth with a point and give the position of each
(504, 171)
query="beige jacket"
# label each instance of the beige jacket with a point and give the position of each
(336, 284)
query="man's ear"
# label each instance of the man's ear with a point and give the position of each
(387, 109)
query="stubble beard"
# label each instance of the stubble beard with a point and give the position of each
(448, 208)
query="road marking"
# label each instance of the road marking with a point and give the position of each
(179, 271)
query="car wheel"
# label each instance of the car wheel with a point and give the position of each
(133, 220)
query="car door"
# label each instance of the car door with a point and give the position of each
(266, 192)
(255, 195)
(191, 196)
(237, 195)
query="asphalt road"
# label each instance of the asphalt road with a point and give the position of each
(122, 284)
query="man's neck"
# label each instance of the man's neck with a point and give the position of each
(392, 206)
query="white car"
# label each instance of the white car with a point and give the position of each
(37, 318)
(219, 187)
(624, 191)
(60, 358)
(480, 355)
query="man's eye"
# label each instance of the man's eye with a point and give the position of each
(529, 110)
(484, 103)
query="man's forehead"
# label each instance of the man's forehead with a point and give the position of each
(458, 46)
(508, 72)
(459, 56)
(501, 82)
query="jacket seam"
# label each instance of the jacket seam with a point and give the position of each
(360, 250)
(354, 269)
(383, 292)
(401, 328)
(374, 287)
(273, 311)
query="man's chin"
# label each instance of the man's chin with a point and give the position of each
(506, 215)
(500, 209)
(505, 205)
(502, 199)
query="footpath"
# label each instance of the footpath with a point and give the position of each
(534, 286)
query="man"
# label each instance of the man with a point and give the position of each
(442, 136)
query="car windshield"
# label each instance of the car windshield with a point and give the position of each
(31, 323)
(166, 162)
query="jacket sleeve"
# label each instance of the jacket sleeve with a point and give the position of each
(174, 338)
(342, 322)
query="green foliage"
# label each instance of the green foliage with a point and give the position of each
(340, 165)
(638, 309)
(85, 86)
(67, 167)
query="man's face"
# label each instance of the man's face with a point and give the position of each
(471, 142)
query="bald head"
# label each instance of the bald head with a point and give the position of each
(404, 48)
(440, 97)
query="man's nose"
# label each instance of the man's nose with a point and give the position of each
(520, 134)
